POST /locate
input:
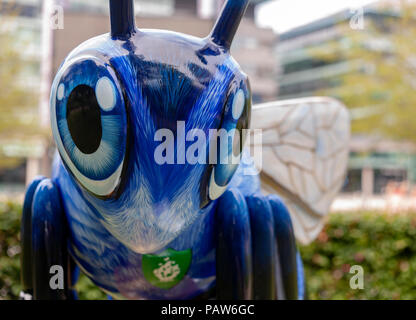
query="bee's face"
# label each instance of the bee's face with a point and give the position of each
(111, 99)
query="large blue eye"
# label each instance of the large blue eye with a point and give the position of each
(89, 123)
(229, 143)
(236, 119)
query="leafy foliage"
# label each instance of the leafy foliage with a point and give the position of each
(9, 250)
(380, 84)
(384, 245)
(10, 215)
(18, 97)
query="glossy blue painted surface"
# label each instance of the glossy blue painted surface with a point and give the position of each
(49, 240)
(26, 234)
(301, 278)
(119, 203)
(227, 25)
(235, 277)
(264, 249)
(122, 18)
(287, 252)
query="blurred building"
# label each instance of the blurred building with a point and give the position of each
(83, 19)
(21, 19)
(301, 74)
(374, 164)
(252, 48)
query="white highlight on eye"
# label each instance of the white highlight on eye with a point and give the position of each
(105, 93)
(215, 191)
(238, 104)
(61, 92)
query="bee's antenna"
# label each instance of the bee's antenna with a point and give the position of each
(122, 18)
(228, 22)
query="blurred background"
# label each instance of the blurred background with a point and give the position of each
(361, 52)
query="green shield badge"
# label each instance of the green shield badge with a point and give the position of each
(167, 269)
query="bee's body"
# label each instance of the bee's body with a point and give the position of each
(116, 268)
(139, 228)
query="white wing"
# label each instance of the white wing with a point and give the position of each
(305, 150)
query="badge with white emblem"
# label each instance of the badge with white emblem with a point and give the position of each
(166, 269)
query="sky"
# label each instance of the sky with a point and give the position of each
(283, 15)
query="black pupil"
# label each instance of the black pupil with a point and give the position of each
(84, 119)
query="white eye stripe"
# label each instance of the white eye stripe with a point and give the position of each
(61, 92)
(215, 191)
(238, 104)
(105, 93)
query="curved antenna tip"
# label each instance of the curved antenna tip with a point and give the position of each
(227, 24)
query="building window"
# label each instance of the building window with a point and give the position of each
(385, 179)
(186, 6)
(12, 180)
(353, 182)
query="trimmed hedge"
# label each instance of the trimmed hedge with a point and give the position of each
(9, 250)
(10, 214)
(384, 245)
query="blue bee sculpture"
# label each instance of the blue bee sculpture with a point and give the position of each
(138, 227)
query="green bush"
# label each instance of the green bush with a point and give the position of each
(9, 250)
(384, 245)
(10, 287)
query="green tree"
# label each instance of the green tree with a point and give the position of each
(18, 103)
(380, 87)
